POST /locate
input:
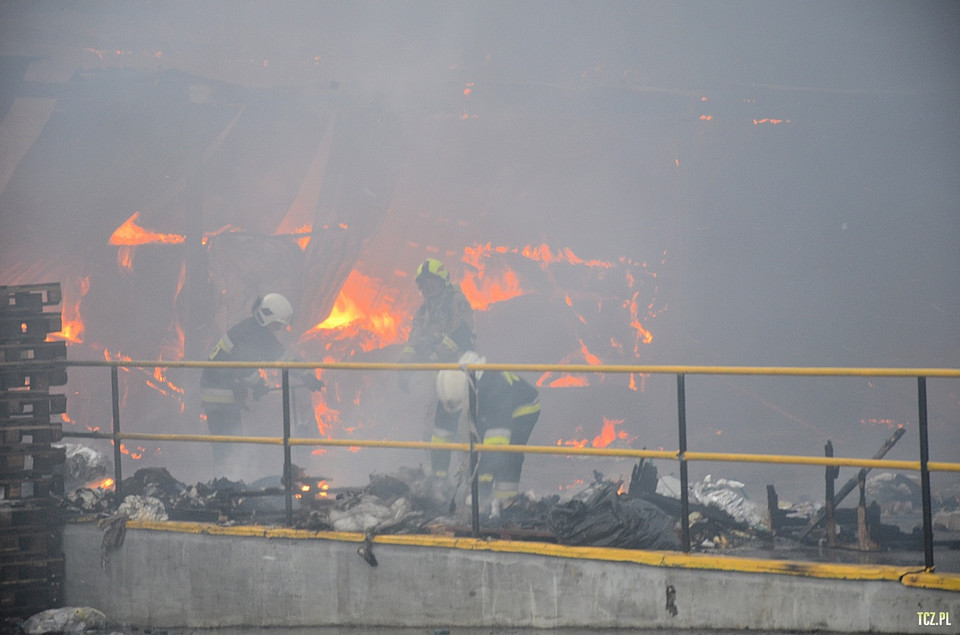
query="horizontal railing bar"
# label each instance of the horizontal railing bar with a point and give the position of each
(943, 466)
(569, 368)
(801, 460)
(788, 459)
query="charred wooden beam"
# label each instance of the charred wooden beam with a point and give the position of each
(817, 518)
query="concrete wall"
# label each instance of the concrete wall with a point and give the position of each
(168, 579)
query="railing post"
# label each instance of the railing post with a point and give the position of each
(287, 469)
(925, 475)
(684, 496)
(832, 472)
(117, 453)
(474, 459)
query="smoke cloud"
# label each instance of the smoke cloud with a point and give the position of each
(729, 183)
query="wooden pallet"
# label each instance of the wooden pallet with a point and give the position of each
(33, 352)
(34, 404)
(29, 297)
(23, 458)
(30, 541)
(28, 329)
(31, 469)
(30, 431)
(32, 376)
(30, 486)
(17, 514)
(30, 585)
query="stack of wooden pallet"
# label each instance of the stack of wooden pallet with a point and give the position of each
(31, 465)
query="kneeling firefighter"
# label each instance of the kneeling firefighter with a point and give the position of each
(502, 408)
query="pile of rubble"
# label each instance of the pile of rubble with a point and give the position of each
(644, 513)
(412, 501)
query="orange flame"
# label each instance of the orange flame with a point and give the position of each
(131, 234)
(361, 313)
(481, 291)
(592, 359)
(881, 421)
(325, 416)
(608, 434)
(133, 454)
(106, 483)
(303, 242)
(643, 335)
(564, 381)
(320, 490)
(72, 324)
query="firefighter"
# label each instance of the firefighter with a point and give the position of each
(442, 328)
(502, 409)
(442, 331)
(224, 391)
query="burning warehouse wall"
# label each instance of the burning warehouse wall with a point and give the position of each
(600, 198)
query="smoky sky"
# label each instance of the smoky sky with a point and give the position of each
(787, 170)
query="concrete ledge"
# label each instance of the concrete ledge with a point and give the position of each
(195, 575)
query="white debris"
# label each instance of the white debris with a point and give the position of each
(729, 496)
(84, 464)
(947, 521)
(65, 620)
(368, 514)
(143, 508)
(723, 493)
(669, 486)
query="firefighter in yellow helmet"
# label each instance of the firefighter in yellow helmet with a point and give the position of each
(442, 331)
(443, 325)
(502, 408)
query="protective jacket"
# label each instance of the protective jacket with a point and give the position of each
(501, 398)
(442, 328)
(503, 410)
(246, 341)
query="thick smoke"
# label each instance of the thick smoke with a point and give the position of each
(771, 183)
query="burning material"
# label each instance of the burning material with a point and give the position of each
(362, 316)
(84, 465)
(401, 503)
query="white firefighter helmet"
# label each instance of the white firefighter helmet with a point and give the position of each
(272, 308)
(452, 385)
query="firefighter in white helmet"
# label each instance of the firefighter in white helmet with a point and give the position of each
(224, 391)
(502, 408)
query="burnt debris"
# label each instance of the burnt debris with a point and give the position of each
(642, 514)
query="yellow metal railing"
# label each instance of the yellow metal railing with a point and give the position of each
(689, 455)
(683, 455)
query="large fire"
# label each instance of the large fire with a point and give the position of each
(373, 312)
